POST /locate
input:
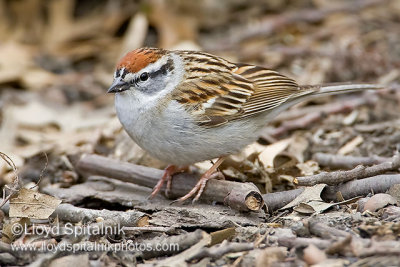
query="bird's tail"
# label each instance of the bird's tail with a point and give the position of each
(340, 88)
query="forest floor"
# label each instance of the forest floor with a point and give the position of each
(320, 187)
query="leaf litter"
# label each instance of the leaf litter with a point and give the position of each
(53, 77)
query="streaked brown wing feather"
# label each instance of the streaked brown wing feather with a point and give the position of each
(271, 89)
(214, 99)
(232, 91)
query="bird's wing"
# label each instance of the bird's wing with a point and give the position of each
(271, 89)
(243, 91)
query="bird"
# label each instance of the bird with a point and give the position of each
(184, 107)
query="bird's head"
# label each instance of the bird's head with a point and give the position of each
(147, 70)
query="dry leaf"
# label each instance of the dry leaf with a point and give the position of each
(271, 151)
(13, 229)
(313, 206)
(297, 147)
(309, 194)
(221, 235)
(379, 201)
(31, 204)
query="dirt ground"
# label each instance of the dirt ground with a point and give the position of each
(319, 188)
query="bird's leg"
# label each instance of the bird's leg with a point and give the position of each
(201, 184)
(167, 176)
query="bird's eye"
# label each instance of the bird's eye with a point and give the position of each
(144, 76)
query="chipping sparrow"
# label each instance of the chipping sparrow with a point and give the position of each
(183, 107)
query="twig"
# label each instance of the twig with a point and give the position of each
(346, 162)
(42, 171)
(277, 200)
(240, 196)
(15, 184)
(219, 250)
(376, 184)
(359, 172)
(177, 244)
(70, 213)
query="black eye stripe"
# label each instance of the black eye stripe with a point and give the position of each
(169, 66)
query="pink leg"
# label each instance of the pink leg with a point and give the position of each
(167, 176)
(199, 187)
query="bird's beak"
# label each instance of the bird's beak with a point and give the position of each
(118, 85)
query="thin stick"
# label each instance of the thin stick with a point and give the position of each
(42, 171)
(240, 196)
(15, 184)
(359, 172)
(346, 162)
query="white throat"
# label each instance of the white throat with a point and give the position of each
(137, 110)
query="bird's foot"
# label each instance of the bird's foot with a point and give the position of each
(169, 171)
(198, 189)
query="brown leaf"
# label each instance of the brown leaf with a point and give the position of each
(309, 194)
(379, 201)
(31, 204)
(219, 236)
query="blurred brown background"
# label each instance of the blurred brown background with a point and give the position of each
(57, 57)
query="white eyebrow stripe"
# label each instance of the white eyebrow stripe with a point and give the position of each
(121, 71)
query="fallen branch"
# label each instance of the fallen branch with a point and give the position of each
(277, 200)
(347, 162)
(359, 172)
(240, 196)
(376, 184)
(217, 251)
(70, 213)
